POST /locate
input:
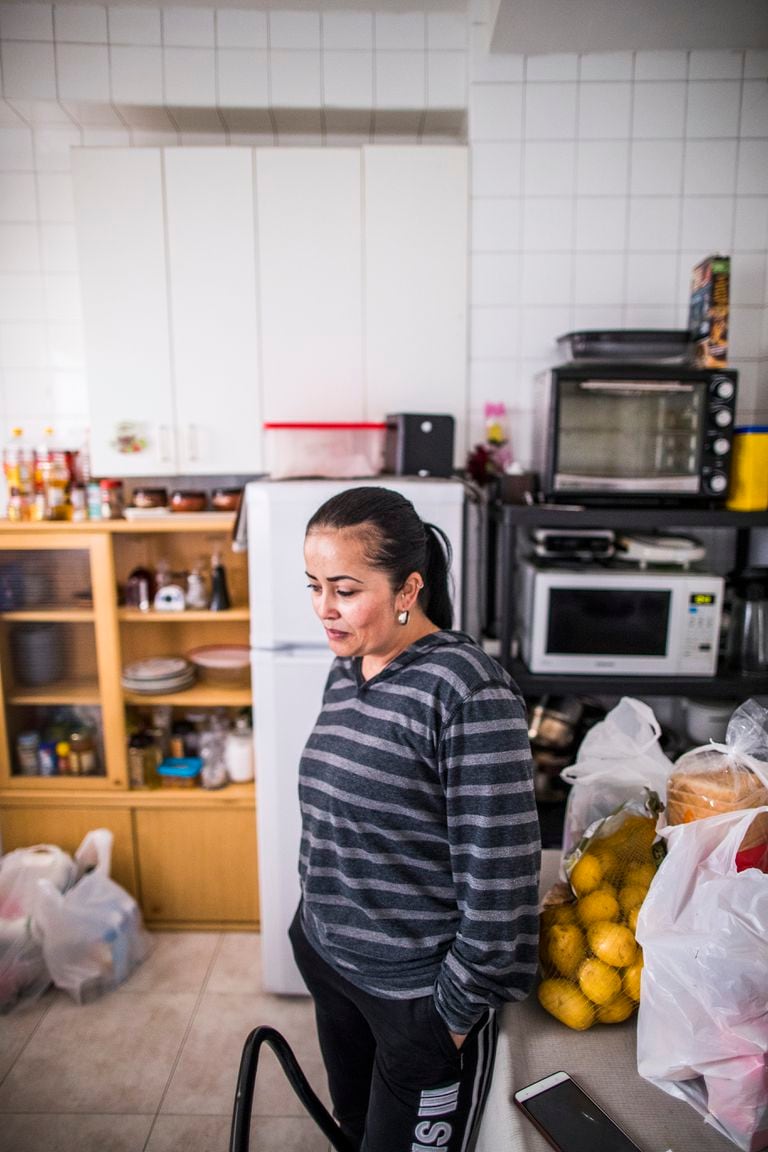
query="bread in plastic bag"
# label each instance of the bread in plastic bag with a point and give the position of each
(92, 935)
(717, 778)
(23, 972)
(617, 760)
(703, 1021)
(590, 960)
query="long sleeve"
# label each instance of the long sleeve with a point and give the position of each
(493, 834)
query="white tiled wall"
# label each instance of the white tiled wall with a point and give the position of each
(597, 180)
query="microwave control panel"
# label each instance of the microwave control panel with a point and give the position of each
(701, 634)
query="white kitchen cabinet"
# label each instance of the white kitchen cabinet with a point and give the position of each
(310, 273)
(214, 339)
(167, 249)
(224, 287)
(121, 238)
(416, 208)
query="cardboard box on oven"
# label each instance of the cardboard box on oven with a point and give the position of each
(708, 311)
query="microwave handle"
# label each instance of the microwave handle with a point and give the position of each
(635, 386)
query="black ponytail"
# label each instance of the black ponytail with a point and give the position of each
(438, 606)
(397, 542)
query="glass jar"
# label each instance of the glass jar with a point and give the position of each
(143, 759)
(82, 752)
(111, 499)
(27, 745)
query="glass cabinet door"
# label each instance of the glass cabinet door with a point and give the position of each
(53, 659)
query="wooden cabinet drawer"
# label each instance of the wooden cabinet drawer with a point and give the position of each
(66, 827)
(197, 867)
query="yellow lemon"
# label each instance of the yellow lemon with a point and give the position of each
(639, 831)
(630, 896)
(598, 982)
(612, 943)
(558, 914)
(631, 979)
(607, 856)
(598, 905)
(566, 1003)
(621, 1008)
(566, 948)
(640, 875)
(587, 874)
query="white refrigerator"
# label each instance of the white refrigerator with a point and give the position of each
(290, 660)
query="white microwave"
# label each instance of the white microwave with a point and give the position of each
(595, 620)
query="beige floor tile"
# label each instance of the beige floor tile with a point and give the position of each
(62, 1133)
(205, 1078)
(178, 962)
(114, 1055)
(17, 1027)
(211, 1134)
(237, 966)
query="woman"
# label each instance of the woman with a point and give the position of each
(420, 844)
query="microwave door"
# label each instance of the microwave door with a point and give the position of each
(629, 436)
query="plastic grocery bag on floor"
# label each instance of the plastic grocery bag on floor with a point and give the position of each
(23, 972)
(703, 1022)
(617, 760)
(92, 935)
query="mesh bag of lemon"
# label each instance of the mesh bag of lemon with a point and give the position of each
(591, 963)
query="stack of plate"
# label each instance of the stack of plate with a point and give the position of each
(159, 674)
(222, 663)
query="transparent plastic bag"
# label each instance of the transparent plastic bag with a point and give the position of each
(617, 759)
(92, 935)
(590, 960)
(717, 778)
(23, 972)
(703, 1021)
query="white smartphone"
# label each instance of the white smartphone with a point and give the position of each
(570, 1119)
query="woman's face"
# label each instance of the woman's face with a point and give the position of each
(354, 601)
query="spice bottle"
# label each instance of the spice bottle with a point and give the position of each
(219, 592)
(63, 766)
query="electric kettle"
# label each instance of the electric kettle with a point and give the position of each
(748, 633)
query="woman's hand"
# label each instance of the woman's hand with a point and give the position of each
(458, 1038)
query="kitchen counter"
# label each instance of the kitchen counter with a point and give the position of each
(532, 1044)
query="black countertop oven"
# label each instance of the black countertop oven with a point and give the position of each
(625, 432)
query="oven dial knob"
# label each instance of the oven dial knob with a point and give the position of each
(723, 417)
(724, 388)
(721, 446)
(717, 482)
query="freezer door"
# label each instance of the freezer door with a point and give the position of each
(278, 512)
(287, 690)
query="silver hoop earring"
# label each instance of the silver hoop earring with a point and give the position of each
(403, 617)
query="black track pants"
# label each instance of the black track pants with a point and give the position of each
(397, 1081)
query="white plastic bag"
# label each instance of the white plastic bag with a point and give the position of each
(616, 761)
(23, 972)
(92, 935)
(703, 1021)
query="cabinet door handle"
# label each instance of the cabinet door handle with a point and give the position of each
(165, 443)
(192, 442)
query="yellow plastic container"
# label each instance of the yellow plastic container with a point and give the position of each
(748, 490)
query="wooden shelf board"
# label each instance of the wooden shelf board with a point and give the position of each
(72, 784)
(60, 615)
(189, 615)
(60, 692)
(200, 695)
(63, 791)
(207, 522)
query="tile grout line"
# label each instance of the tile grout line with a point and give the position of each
(185, 1037)
(26, 1042)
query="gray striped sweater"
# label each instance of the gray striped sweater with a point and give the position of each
(420, 842)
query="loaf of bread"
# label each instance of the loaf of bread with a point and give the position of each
(706, 782)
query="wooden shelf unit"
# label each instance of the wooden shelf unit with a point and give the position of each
(188, 855)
